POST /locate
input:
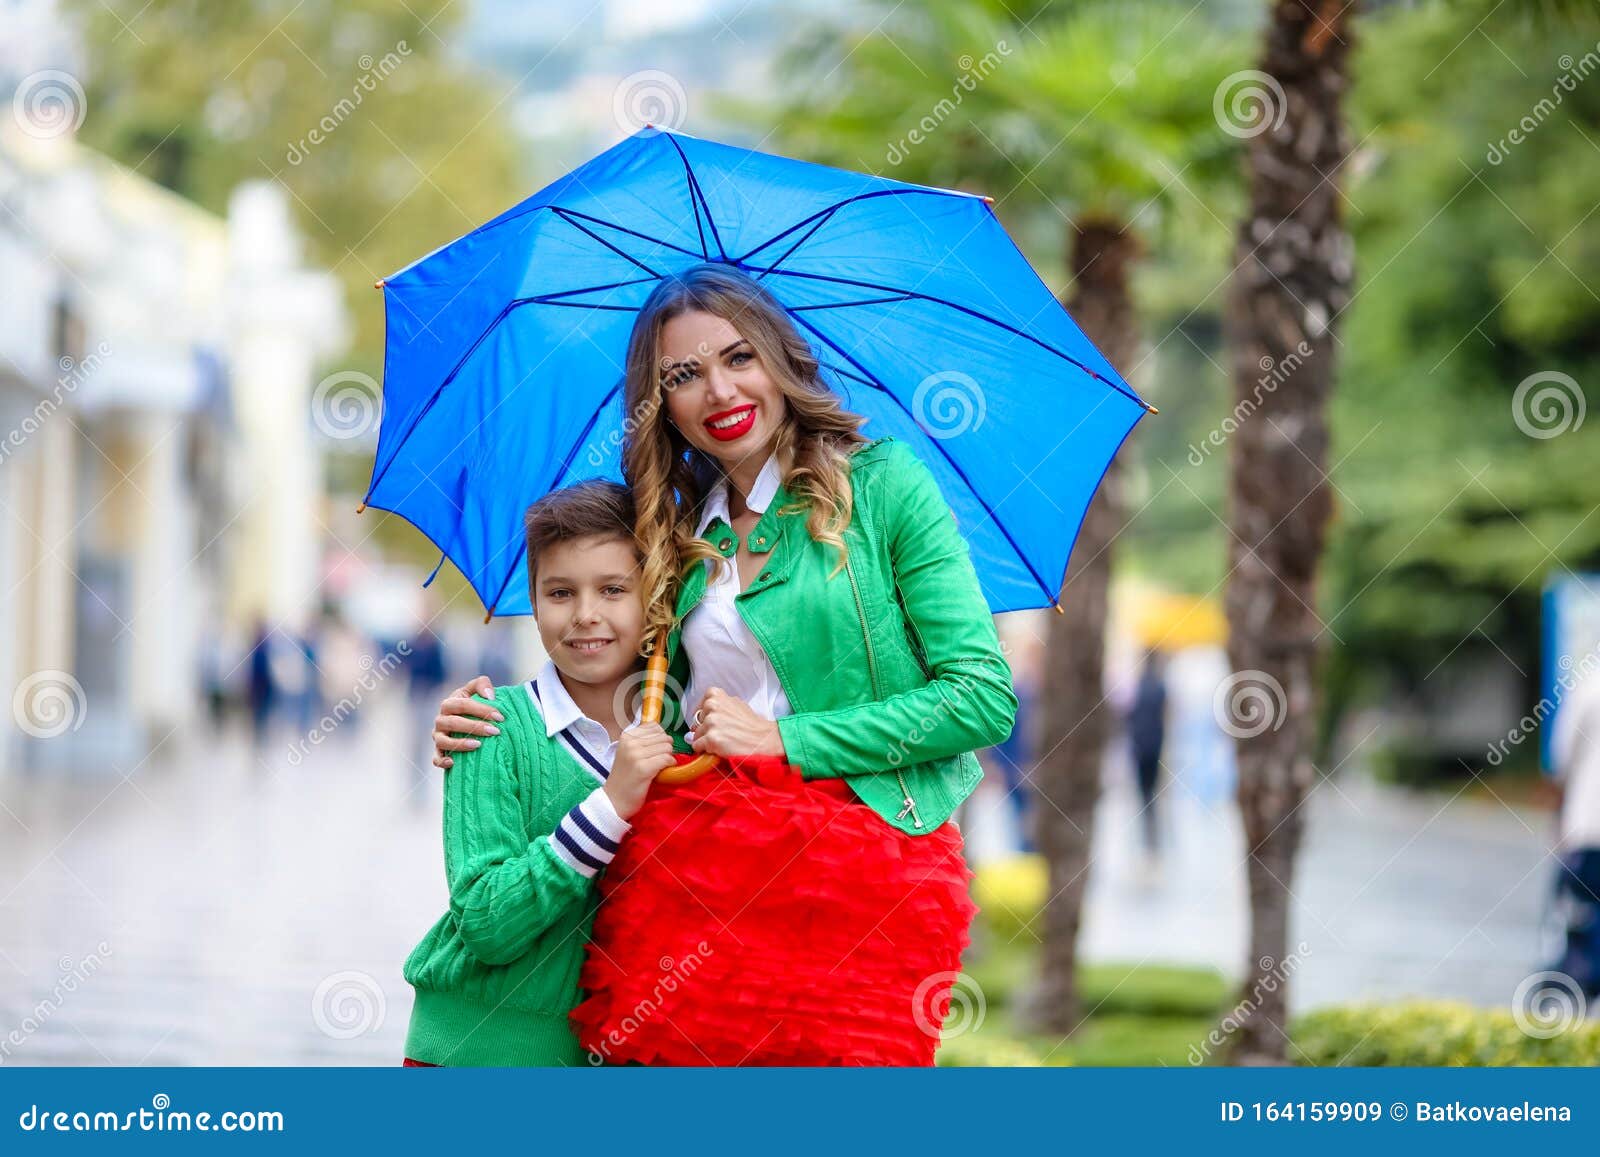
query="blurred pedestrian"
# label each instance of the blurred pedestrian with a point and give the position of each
(263, 689)
(1014, 759)
(1575, 753)
(1147, 734)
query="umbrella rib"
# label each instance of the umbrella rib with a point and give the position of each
(549, 299)
(834, 208)
(695, 191)
(624, 229)
(954, 465)
(826, 217)
(844, 304)
(561, 472)
(567, 217)
(911, 293)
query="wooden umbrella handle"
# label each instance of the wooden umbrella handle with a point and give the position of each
(655, 693)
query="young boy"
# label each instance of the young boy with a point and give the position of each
(532, 815)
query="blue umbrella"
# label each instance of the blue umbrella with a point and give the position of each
(505, 349)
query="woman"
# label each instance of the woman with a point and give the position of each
(823, 615)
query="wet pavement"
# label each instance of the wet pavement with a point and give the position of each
(223, 905)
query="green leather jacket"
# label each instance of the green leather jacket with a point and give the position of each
(892, 666)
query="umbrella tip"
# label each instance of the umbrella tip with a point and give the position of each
(987, 200)
(1151, 408)
(489, 615)
(362, 509)
(1056, 607)
(378, 284)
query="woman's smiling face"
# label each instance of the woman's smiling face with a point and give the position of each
(718, 392)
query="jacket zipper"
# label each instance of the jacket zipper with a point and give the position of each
(910, 807)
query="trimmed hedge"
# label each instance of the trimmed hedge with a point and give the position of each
(1433, 1034)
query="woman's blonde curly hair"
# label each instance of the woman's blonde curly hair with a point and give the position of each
(669, 478)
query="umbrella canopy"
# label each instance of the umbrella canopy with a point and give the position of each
(505, 349)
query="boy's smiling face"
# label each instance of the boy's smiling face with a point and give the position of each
(587, 605)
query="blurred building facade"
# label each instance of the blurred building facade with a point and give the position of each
(159, 477)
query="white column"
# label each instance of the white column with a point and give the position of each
(282, 320)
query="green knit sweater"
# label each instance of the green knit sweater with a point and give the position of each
(524, 837)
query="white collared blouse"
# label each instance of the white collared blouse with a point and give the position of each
(722, 652)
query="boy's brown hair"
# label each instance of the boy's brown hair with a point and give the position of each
(582, 510)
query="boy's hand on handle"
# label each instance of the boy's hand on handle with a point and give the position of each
(643, 752)
(461, 717)
(726, 725)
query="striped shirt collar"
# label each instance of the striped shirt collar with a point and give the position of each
(555, 701)
(760, 496)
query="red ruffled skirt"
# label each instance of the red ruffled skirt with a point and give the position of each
(752, 917)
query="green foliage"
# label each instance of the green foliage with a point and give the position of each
(1477, 262)
(1431, 1034)
(200, 96)
(1134, 1014)
(1088, 110)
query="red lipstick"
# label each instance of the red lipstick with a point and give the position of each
(746, 416)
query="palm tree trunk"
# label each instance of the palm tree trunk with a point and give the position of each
(1072, 721)
(1292, 277)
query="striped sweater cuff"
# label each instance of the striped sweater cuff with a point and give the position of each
(588, 836)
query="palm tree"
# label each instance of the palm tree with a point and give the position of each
(1291, 280)
(1292, 277)
(1092, 126)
